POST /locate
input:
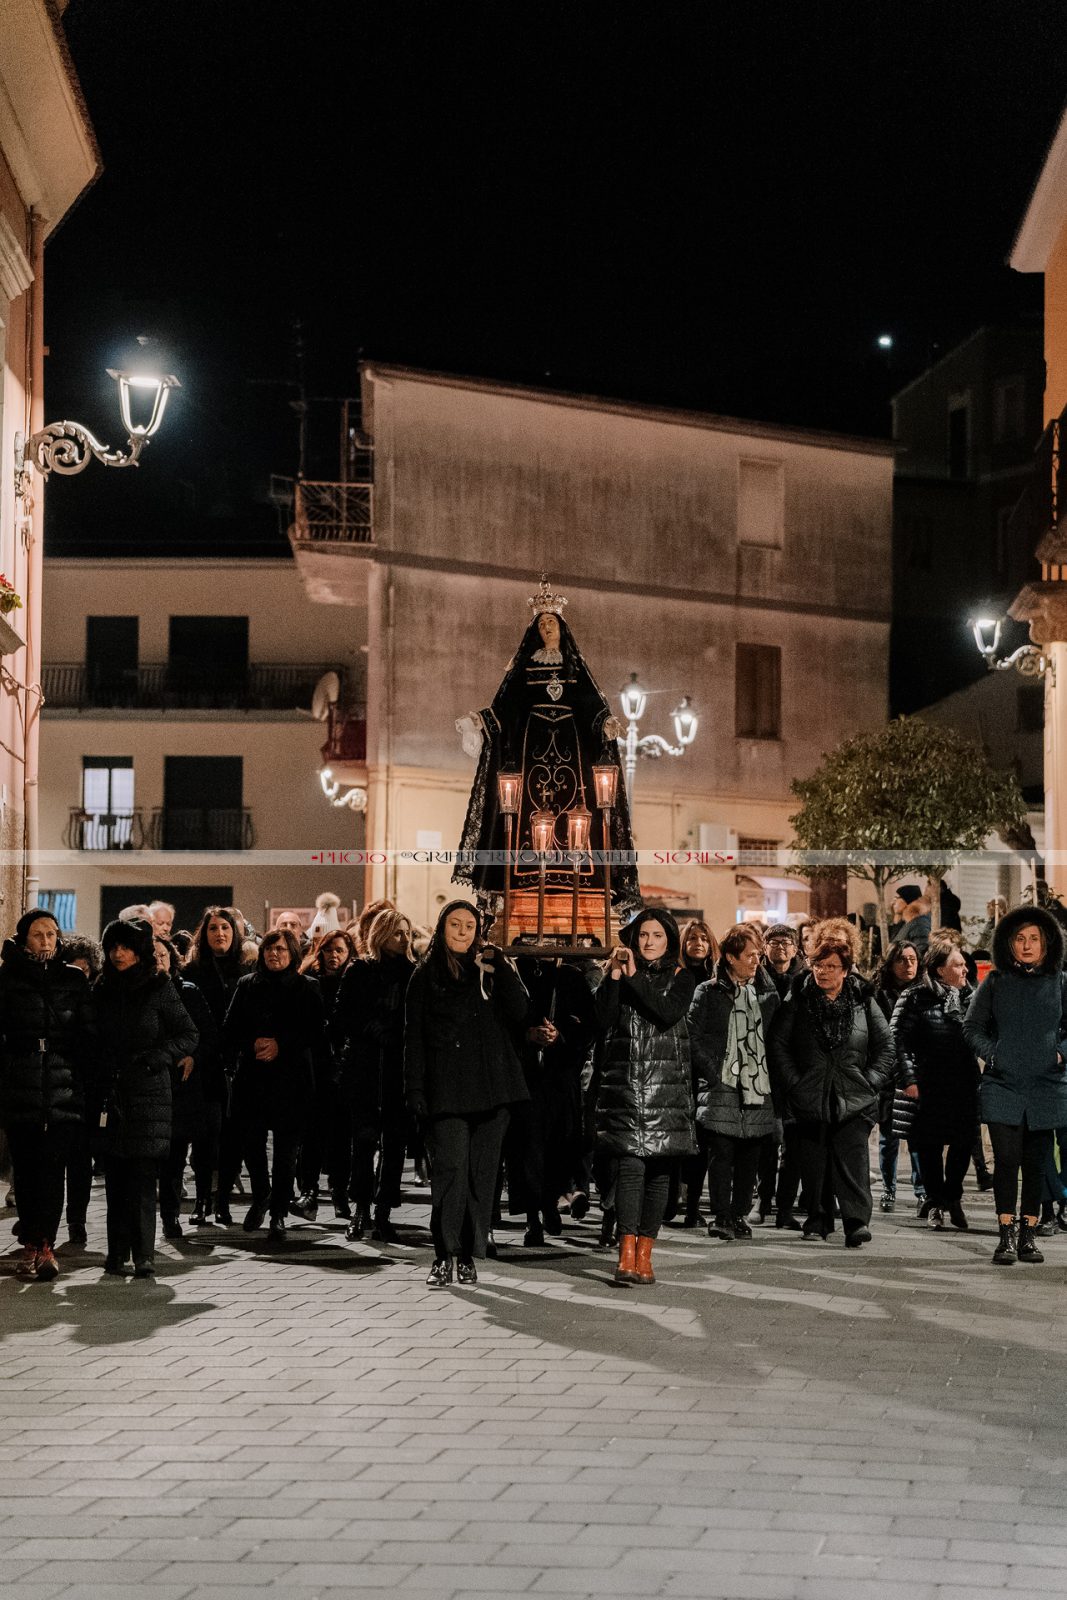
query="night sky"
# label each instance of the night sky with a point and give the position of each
(716, 205)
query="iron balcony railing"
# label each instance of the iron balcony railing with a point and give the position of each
(201, 828)
(1042, 507)
(333, 513)
(104, 830)
(276, 686)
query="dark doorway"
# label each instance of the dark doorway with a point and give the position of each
(206, 652)
(203, 803)
(189, 903)
(111, 660)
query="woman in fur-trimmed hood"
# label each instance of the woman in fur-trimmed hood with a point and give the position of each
(1017, 1024)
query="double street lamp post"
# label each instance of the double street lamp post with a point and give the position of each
(634, 699)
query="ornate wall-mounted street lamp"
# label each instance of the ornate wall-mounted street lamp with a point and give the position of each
(354, 797)
(68, 447)
(634, 699)
(1027, 660)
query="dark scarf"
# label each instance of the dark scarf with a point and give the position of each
(831, 1020)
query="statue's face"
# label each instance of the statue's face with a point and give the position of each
(548, 628)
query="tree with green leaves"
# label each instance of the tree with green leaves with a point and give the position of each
(911, 788)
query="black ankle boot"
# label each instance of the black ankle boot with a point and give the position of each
(199, 1217)
(1027, 1250)
(1005, 1253)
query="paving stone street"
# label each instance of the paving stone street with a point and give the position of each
(775, 1421)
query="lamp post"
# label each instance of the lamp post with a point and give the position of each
(634, 699)
(605, 782)
(508, 789)
(68, 447)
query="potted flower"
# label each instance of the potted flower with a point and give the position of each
(9, 599)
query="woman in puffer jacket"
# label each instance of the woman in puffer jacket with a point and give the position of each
(1017, 1023)
(831, 1056)
(644, 1113)
(46, 1039)
(144, 1031)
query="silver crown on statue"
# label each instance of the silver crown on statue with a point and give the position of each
(545, 600)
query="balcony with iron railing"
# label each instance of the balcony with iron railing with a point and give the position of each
(170, 686)
(201, 828)
(332, 535)
(333, 513)
(104, 830)
(1040, 514)
(168, 828)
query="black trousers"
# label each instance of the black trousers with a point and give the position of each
(641, 1188)
(39, 1159)
(1015, 1150)
(130, 1188)
(694, 1170)
(785, 1198)
(732, 1166)
(273, 1186)
(374, 1129)
(79, 1177)
(204, 1141)
(944, 1170)
(231, 1156)
(834, 1158)
(465, 1155)
(324, 1145)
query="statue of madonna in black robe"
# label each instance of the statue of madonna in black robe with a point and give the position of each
(549, 722)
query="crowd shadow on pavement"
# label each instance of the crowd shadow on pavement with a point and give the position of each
(114, 1311)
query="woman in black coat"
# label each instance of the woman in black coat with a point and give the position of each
(937, 1067)
(465, 1005)
(644, 1108)
(832, 1055)
(729, 1021)
(144, 1030)
(325, 1141)
(368, 1035)
(898, 973)
(276, 1028)
(216, 964)
(46, 1038)
(198, 1088)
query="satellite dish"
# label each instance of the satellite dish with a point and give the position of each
(327, 692)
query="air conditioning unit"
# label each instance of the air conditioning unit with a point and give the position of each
(716, 839)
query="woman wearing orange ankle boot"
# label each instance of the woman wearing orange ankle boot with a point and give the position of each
(1017, 1023)
(644, 1112)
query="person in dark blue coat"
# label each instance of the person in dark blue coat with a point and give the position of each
(1017, 1024)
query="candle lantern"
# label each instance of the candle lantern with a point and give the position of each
(579, 820)
(508, 789)
(542, 831)
(606, 782)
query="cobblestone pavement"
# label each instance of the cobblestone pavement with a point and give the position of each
(774, 1421)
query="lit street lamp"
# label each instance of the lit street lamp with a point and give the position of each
(634, 699)
(68, 447)
(1027, 660)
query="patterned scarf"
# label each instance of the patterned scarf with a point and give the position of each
(745, 1049)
